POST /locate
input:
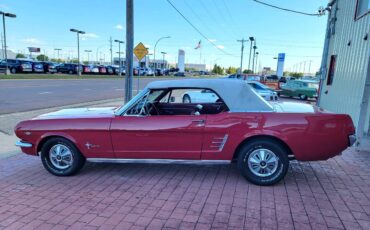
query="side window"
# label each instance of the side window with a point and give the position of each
(330, 78)
(193, 96)
(363, 7)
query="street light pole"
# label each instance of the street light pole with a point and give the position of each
(251, 39)
(163, 53)
(6, 55)
(254, 55)
(119, 56)
(88, 55)
(155, 46)
(78, 49)
(257, 61)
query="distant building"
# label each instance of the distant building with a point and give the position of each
(146, 62)
(345, 79)
(10, 54)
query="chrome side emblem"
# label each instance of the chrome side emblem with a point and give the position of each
(219, 142)
(28, 133)
(89, 146)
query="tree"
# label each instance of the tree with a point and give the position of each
(231, 70)
(20, 56)
(42, 57)
(217, 69)
(248, 71)
(293, 74)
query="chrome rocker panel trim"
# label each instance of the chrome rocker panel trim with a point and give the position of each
(157, 161)
(23, 144)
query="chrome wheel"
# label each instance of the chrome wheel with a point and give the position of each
(61, 156)
(263, 162)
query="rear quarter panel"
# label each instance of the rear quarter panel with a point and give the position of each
(312, 136)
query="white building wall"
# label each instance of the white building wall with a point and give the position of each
(345, 93)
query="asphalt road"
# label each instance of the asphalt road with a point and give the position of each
(26, 95)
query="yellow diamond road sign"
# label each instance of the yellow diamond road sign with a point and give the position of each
(140, 51)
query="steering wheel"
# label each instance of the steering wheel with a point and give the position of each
(149, 107)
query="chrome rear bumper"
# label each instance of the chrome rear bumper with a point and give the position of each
(23, 144)
(352, 139)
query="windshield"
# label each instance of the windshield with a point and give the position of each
(126, 106)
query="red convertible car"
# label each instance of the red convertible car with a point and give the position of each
(158, 126)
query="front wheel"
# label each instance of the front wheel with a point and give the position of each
(263, 162)
(61, 157)
(303, 97)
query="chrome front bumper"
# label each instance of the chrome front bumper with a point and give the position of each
(352, 139)
(23, 144)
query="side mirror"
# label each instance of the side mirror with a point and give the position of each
(172, 99)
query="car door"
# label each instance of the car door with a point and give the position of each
(138, 136)
(158, 137)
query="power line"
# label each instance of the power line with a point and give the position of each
(196, 29)
(321, 10)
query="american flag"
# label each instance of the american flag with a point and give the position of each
(198, 46)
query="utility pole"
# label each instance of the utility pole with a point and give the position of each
(309, 67)
(6, 55)
(251, 39)
(2, 46)
(58, 49)
(241, 56)
(111, 51)
(129, 48)
(254, 54)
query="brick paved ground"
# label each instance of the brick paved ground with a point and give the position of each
(317, 195)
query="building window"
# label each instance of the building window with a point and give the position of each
(333, 60)
(363, 7)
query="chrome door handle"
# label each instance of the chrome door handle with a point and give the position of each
(200, 122)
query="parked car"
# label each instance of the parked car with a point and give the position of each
(102, 69)
(199, 96)
(37, 67)
(67, 68)
(264, 91)
(299, 88)
(94, 69)
(110, 70)
(239, 126)
(19, 66)
(179, 74)
(161, 72)
(49, 67)
(72, 68)
(245, 77)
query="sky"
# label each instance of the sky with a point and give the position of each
(46, 24)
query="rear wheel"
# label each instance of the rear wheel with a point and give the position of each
(61, 157)
(70, 72)
(263, 162)
(186, 99)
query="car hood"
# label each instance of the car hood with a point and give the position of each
(294, 107)
(79, 113)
